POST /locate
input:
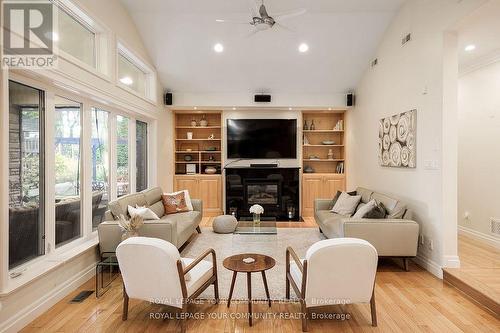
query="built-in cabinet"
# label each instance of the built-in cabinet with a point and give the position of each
(198, 153)
(323, 157)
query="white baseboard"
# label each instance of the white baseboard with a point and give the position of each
(429, 265)
(44, 303)
(451, 262)
(490, 240)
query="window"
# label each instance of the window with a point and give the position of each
(26, 175)
(122, 158)
(133, 74)
(68, 200)
(141, 156)
(100, 165)
(76, 39)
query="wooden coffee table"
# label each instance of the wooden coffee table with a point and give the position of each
(261, 264)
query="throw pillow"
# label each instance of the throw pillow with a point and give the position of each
(364, 209)
(377, 212)
(187, 197)
(336, 197)
(144, 212)
(346, 204)
(174, 203)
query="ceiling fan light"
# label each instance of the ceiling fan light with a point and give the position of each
(219, 48)
(303, 48)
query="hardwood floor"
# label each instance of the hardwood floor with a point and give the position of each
(479, 274)
(412, 301)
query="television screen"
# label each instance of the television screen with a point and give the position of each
(262, 138)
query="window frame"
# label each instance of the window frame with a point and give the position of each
(150, 74)
(18, 276)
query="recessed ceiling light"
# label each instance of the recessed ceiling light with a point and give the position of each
(289, 109)
(303, 48)
(234, 109)
(218, 48)
(195, 108)
(329, 109)
(127, 80)
(470, 47)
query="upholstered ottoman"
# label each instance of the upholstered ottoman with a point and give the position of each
(224, 224)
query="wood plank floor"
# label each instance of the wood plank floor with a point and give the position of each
(412, 301)
(479, 274)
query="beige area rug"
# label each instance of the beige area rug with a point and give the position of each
(225, 245)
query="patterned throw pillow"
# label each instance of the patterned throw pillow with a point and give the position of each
(174, 203)
(377, 212)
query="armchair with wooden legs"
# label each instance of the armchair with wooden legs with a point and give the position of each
(152, 270)
(334, 271)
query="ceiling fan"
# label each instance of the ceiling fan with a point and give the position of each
(261, 20)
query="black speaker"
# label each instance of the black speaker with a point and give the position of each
(262, 98)
(169, 99)
(350, 100)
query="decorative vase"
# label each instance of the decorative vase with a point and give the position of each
(256, 218)
(194, 123)
(210, 170)
(188, 158)
(203, 122)
(330, 154)
(128, 234)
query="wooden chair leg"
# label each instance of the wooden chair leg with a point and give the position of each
(216, 290)
(198, 229)
(304, 315)
(373, 309)
(125, 304)
(287, 288)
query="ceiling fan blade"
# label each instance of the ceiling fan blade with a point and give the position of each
(284, 27)
(232, 21)
(290, 14)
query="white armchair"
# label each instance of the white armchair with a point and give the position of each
(152, 270)
(334, 271)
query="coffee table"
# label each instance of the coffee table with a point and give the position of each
(251, 228)
(261, 264)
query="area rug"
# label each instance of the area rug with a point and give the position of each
(225, 245)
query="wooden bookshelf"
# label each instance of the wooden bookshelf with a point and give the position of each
(325, 180)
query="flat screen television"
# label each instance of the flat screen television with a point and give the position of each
(262, 138)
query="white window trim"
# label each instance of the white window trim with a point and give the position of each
(150, 88)
(54, 257)
(102, 41)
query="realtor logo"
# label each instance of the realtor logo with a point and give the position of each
(28, 34)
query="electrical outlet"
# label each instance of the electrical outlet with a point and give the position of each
(422, 240)
(467, 217)
(431, 244)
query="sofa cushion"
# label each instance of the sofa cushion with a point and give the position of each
(377, 212)
(174, 203)
(397, 212)
(119, 207)
(346, 204)
(152, 195)
(366, 194)
(330, 223)
(158, 208)
(395, 209)
(364, 209)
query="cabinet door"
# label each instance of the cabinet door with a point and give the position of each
(188, 183)
(312, 188)
(332, 185)
(211, 194)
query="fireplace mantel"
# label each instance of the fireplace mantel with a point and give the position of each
(275, 189)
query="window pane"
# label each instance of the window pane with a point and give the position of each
(26, 178)
(122, 160)
(75, 39)
(67, 170)
(100, 165)
(141, 155)
(131, 75)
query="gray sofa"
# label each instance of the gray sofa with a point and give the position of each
(174, 228)
(394, 236)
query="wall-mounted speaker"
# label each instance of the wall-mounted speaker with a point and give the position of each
(350, 99)
(262, 98)
(169, 99)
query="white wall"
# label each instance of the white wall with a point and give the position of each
(479, 157)
(409, 77)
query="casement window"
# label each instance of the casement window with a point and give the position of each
(122, 156)
(26, 174)
(100, 165)
(141, 155)
(134, 75)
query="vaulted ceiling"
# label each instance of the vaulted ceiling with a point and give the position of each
(342, 37)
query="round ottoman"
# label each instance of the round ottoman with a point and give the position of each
(224, 224)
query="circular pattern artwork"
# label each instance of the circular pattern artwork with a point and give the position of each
(397, 140)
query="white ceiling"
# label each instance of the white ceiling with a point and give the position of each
(342, 37)
(482, 29)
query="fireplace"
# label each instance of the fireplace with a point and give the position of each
(275, 189)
